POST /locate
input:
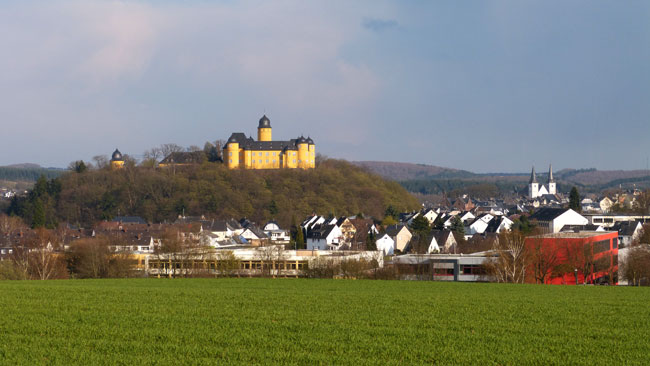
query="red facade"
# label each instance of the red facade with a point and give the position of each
(560, 258)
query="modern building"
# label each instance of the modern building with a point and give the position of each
(569, 258)
(552, 220)
(243, 152)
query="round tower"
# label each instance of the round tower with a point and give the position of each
(303, 153)
(264, 129)
(232, 153)
(312, 152)
(117, 160)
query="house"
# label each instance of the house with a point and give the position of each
(605, 204)
(348, 230)
(499, 224)
(551, 220)
(400, 234)
(386, 244)
(254, 235)
(628, 231)
(324, 237)
(275, 234)
(363, 228)
(429, 214)
(479, 224)
(445, 240)
(432, 244)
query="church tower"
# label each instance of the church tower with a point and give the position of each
(264, 129)
(533, 186)
(551, 182)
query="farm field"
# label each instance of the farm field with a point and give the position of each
(300, 321)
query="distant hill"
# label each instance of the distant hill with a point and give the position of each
(334, 187)
(429, 179)
(410, 171)
(27, 172)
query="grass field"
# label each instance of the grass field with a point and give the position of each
(266, 321)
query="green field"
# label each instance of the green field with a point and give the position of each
(289, 321)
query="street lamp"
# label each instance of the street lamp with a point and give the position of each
(575, 271)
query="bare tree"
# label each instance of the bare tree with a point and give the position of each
(271, 257)
(10, 225)
(635, 268)
(101, 161)
(167, 149)
(227, 263)
(543, 259)
(510, 258)
(44, 263)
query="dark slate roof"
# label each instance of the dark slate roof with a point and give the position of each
(117, 156)
(265, 122)
(320, 231)
(129, 220)
(249, 143)
(215, 225)
(181, 157)
(494, 224)
(394, 229)
(625, 228)
(533, 177)
(548, 213)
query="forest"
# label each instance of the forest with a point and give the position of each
(85, 196)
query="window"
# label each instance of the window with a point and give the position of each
(267, 161)
(260, 161)
(601, 246)
(267, 153)
(614, 243)
(299, 160)
(231, 160)
(274, 153)
(294, 161)
(253, 153)
(273, 161)
(230, 153)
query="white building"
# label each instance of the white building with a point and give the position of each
(386, 244)
(552, 220)
(535, 190)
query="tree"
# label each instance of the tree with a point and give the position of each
(227, 263)
(635, 268)
(300, 239)
(78, 166)
(38, 214)
(574, 200)
(371, 241)
(44, 264)
(510, 259)
(420, 225)
(391, 211)
(457, 225)
(543, 259)
(270, 257)
(273, 208)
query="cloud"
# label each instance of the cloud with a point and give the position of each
(379, 25)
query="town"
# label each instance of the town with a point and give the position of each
(542, 237)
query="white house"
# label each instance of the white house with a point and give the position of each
(386, 244)
(480, 224)
(552, 220)
(324, 237)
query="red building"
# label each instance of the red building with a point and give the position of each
(565, 258)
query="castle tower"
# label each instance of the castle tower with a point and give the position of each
(264, 129)
(303, 153)
(533, 186)
(117, 160)
(232, 152)
(551, 182)
(312, 153)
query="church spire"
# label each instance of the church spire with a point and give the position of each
(533, 177)
(550, 174)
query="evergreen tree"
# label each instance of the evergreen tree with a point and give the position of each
(420, 225)
(371, 241)
(574, 200)
(300, 239)
(438, 223)
(457, 225)
(38, 214)
(273, 208)
(392, 212)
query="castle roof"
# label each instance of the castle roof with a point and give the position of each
(248, 143)
(117, 156)
(264, 122)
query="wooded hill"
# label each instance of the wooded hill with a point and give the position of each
(161, 194)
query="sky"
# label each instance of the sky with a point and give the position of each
(485, 86)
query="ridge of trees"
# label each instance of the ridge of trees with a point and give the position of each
(84, 196)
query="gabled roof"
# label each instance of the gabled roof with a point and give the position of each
(548, 213)
(393, 230)
(184, 157)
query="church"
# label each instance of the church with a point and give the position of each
(535, 190)
(241, 152)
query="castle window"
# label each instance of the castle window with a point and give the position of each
(231, 160)
(230, 153)
(274, 161)
(274, 153)
(267, 161)
(260, 161)
(294, 161)
(299, 160)
(267, 153)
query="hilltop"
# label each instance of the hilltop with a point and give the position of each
(161, 194)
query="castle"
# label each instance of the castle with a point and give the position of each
(246, 153)
(117, 161)
(535, 190)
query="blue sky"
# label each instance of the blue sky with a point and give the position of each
(477, 85)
